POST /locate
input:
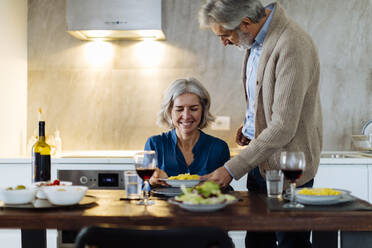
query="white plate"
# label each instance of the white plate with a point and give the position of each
(167, 191)
(324, 200)
(178, 183)
(343, 199)
(200, 207)
(39, 203)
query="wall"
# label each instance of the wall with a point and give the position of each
(341, 30)
(107, 97)
(13, 77)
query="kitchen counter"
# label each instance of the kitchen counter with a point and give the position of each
(126, 157)
(345, 157)
(81, 160)
(95, 157)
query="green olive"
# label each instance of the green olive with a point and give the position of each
(20, 187)
(9, 188)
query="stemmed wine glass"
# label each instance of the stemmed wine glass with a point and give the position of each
(292, 165)
(145, 163)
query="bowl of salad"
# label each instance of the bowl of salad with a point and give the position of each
(205, 197)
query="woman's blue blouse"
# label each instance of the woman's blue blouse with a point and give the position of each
(209, 152)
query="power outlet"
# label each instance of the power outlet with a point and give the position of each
(221, 123)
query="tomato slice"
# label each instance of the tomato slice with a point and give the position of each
(56, 182)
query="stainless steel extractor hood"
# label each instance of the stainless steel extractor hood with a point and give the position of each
(114, 19)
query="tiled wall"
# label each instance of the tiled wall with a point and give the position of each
(106, 96)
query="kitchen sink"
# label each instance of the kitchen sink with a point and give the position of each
(346, 155)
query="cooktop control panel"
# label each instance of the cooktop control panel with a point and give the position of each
(94, 179)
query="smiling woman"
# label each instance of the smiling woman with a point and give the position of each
(186, 149)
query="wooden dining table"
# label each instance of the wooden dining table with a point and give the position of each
(249, 213)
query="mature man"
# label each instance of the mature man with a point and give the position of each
(281, 80)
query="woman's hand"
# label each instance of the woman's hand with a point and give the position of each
(154, 180)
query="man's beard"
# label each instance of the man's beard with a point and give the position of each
(245, 40)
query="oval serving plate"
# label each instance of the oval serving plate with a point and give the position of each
(199, 207)
(44, 204)
(324, 199)
(178, 183)
(343, 199)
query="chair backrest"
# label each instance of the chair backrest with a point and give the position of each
(190, 237)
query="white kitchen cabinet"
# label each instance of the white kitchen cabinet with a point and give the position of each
(14, 174)
(370, 182)
(11, 175)
(351, 177)
(10, 238)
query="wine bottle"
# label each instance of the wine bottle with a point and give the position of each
(41, 157)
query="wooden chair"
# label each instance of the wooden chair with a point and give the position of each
(190, 237)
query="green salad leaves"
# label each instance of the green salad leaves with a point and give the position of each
(206, 193)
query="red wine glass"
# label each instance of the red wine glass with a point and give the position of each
(292, 165)
(145, 163)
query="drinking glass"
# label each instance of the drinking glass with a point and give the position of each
(145, 163)
(274, 183)
(292, 165)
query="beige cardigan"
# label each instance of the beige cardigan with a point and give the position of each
(287, 103)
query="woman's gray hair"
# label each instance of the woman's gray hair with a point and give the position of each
(180, 87)
(229, 13)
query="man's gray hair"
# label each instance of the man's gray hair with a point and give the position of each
(180, 87)
(229, 13)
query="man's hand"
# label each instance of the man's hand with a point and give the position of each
(154, 180)
(240, 138)
(220, 176)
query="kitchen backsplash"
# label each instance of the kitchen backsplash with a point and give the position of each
(105, 96)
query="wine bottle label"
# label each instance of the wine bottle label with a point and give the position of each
(42, 167)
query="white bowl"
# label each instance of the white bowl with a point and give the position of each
(39, 185)
(17, 196)
(65, 195)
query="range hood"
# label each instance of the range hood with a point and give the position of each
(114, 19)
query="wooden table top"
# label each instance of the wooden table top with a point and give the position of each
(251, 213)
